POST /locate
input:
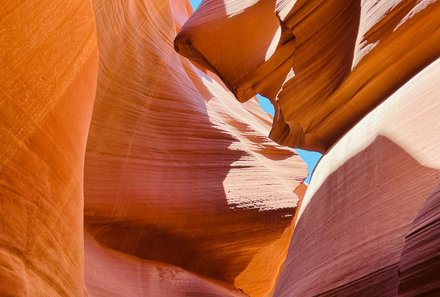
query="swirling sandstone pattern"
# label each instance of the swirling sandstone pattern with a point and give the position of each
(362, 202)
(323, 64)
(48, 70)
(125, 170)
(177, 171)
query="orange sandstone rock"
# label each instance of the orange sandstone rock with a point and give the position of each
(177, 171)
(323, 64)
(48, 70)
(361, 229)
(242, 42)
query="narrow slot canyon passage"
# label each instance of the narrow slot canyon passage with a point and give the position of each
(140, 154)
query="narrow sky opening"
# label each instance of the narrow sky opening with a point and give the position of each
(195, 3)
(311, 158)
(266, 104)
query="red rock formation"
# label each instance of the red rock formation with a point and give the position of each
(183, 192)
(48, 70)
(346, 57)
(419, 266)
(223, 35)
(177, 171)
(362, 201)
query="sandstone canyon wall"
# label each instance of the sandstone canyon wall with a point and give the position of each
(171, 202)
(127, 169)
(48, 70)
(176, 170)
(323, 64)
(343, 59)
(368, 225)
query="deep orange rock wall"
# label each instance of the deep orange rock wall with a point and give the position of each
(48, 70)
(368, 223)
(109, 273)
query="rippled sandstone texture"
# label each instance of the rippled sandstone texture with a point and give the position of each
(369, 223)
(323, 64)
(177, 171)
(183, 193)
(48, 70)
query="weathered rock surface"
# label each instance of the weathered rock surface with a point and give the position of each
(324, 64)
(366, 196)
(48, 70)
(177, 171)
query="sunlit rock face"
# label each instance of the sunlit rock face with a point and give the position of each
(48, 70)
(368, 225)
(125, 170)
(177, 171)
(223, 35)
(323, 64)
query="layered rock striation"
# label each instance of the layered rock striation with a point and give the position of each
(323, 64)
(419, 265)
(176, 170)
(182, 191)
(368, 223)
(126, 170)
(48, 70)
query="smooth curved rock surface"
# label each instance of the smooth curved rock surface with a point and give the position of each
(224, 36)
(179, 191)
(48, 70)
(362, 201)
(177, 171)
(323, 64)
(110, 273)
